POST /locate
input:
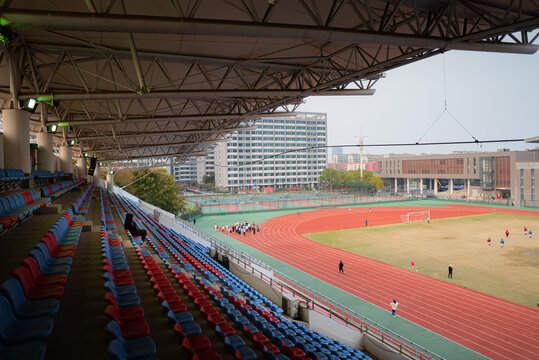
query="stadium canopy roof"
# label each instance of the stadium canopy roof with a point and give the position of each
(130, 79)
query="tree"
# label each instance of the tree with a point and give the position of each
(209, 179)
(122, 178)
(157, 188)
(351, 179)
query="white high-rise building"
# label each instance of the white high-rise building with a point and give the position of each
(239, 163)
(193, 169)
(185, 172)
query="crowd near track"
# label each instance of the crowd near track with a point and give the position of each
(493, 327)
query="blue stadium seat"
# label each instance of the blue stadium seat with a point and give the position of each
(14, 331)
(24, 308)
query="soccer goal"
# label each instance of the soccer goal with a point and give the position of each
(416, 216)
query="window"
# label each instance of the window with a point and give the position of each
(521, 172)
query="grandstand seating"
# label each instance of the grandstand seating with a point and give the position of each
(127, 327)
(16, 208)
(261, 321)
(29, 299)
(54, 191)
(11, 179)
(42, 174)
(12, 175)
(213, 313)
(106, 215)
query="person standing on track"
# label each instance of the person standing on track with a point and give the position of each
(349, 210)
(341, 267)
(394, 305)
(507, 233)
(366, 223)
(450, 273)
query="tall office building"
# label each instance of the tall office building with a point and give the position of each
(185, 172)
(335, 151)
(193, 169)
(239, 163)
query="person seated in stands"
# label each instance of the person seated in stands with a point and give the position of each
(130, 225)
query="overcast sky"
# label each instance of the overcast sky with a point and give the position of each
(494, 96)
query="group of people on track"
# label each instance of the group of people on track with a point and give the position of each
(240, 229)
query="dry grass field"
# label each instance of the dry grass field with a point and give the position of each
(511, 273)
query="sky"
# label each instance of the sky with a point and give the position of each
(494, 96)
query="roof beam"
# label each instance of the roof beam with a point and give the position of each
(142, 147)
(72, 21)
(187, 155)
(177, 132)
(149, 55)
(179, 118)
(190, 94)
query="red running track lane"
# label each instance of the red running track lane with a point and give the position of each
(496, 328)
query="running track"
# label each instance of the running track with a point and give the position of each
(493, 327)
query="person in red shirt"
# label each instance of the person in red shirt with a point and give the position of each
(506, 233)
(488, 241)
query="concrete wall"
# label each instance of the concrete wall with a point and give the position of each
(324, 325)
(379, 350)
(256, 283)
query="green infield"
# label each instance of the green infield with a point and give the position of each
(510, 273)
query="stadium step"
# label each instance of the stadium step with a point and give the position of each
(165, 340)
(81, 307)
(19, 241)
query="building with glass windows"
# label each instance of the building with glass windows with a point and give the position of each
(265, 158)
(477, 175)
(193, 169)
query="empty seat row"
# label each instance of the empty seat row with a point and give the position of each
(16, 208)
(29, 299)
(106, 215)
(81, 205)
(127, 326)
(42, 174)
(54, 191)
(12, 175)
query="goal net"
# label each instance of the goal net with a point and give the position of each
(416, 216)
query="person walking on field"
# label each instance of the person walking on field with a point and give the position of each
(530, 232)
(525, 231)
(341, 267)
(488, 241)
(394, 305)
(507, 233)
(502, 241)
(450, 273)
